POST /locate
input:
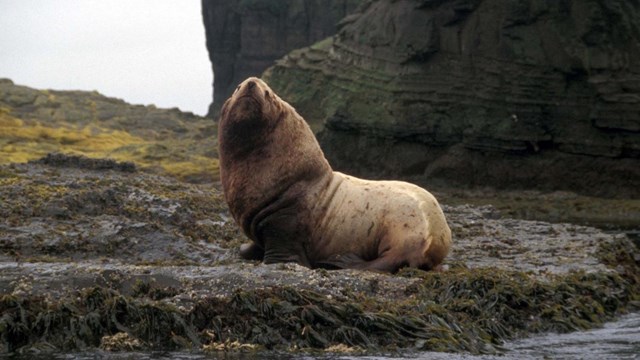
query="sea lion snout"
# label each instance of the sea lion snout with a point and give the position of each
(254, 88)
(250, 86)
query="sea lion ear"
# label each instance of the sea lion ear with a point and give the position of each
(278, 106)
(225, 108)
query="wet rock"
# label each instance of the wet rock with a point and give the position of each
(153, 265)
(545, 249)
(89, 211)
(56, 209)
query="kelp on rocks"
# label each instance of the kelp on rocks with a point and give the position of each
(96, 253)
(471, 310)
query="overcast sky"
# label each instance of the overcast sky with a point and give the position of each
(142, 51)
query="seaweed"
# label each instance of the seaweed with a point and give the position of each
(470, 309)
(460, 310)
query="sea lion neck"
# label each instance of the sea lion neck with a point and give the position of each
(244, 130)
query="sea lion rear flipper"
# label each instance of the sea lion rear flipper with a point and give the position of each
(344, 261)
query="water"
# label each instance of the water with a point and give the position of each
(615, 340)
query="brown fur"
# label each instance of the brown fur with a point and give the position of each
(287, 200)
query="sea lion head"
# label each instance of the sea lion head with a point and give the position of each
(267, 152)
(248, 119)
(253, 104)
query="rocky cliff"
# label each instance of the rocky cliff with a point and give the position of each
(244, 37)
(526, 93)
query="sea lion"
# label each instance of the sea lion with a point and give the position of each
(286, 198)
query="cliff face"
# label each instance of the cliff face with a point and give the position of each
(526, 93)
(245, 37)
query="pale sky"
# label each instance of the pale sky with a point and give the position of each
(141, 51)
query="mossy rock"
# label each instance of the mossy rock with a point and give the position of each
(34, 123)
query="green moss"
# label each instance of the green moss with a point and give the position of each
(7, 173)
(89, 124)
(361, 96)
(323, 45)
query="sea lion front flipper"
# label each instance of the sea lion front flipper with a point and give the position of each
(251, 251)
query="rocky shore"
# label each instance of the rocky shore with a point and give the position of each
(520, 116)
(100, 254)
(114, 236)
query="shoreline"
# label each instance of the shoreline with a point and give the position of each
(137, 261)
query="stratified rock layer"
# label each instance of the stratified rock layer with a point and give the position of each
(244, 38)
(526, 93)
